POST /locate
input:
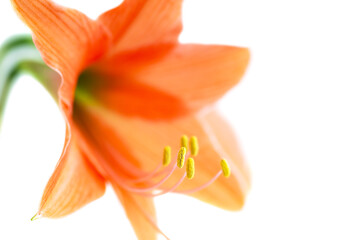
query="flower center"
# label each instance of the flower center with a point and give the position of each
(157, 181)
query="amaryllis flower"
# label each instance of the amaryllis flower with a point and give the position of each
(129, 93)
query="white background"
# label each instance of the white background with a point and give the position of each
(296, 113)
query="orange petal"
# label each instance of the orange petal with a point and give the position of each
(196, 75)
(139, 23)
(74, 184)
(138, 144)
(66, 38)
(141, 213)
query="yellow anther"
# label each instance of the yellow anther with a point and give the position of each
(184, 142)
(190, 168)
(181, 157)
(167, 156)
(194, 146)
(225, 168)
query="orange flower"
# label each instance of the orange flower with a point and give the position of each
(128, 89)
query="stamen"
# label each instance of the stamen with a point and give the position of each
(211, 181)
(167, 156)
(148, 184)
(225, 168)
(184, 142)
(190, 168)
(150, 188)
(181, 157)
(194, 146)
(149, 175)
(172, 188)
(149, 218)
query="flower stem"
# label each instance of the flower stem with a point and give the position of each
(18, 56)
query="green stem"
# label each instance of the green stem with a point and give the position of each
(18, 56)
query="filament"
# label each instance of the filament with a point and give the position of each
(140, 190)
(150, 219)
(149, 175)
(211, 181)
